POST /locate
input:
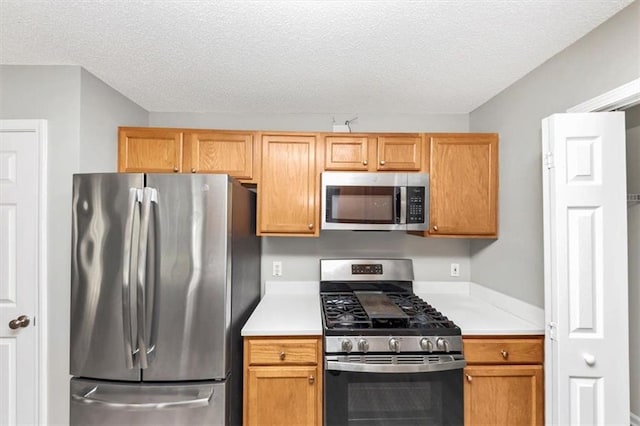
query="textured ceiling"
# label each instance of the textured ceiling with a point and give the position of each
(299, 56)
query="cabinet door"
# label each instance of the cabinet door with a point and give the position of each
(464, 185)
(503, 395)
(346, 153)
(219, 152)
(149, 150)
(282, 396)
(399, 153)
(287, 193)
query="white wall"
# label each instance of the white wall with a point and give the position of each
(63, 95)
(300, 256)
(602, 60)
(633, 228)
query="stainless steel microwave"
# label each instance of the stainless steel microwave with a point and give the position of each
(375, 201)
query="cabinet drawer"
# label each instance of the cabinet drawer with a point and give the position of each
(283, 352)
(503, 351)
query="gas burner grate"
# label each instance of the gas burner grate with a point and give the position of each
(421, 314)
(343, 311)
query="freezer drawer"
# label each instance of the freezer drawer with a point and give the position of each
(111, 403)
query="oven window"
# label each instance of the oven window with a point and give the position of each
(402, 399)
(362, 204)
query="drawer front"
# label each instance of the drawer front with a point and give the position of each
(504, 351)
(283, 352)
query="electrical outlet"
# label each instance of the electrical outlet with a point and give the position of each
(455, 269)
(277, 268)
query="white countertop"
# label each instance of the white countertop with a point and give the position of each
(478, 310)
(286, 309)
(293, 308)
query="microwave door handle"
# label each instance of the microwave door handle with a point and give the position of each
(135, 196)
(149, 195)
(403, 204)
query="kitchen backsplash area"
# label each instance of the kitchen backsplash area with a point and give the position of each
(299, 257)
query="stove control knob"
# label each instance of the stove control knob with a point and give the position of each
(363, 346)
(442, 344)
(394, 344)
(347, 345)
(426, 344)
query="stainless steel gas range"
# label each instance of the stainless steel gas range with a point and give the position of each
(390, 357)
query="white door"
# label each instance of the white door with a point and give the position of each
(585, 244)
(20, 227)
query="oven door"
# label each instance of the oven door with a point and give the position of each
(409, 391)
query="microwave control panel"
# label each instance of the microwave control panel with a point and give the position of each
(415, 204)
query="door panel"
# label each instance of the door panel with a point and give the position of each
(99, 217)
(20, 230)
(188, 305)
(105, 403)
(586, 283)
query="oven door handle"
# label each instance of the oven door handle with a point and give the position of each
(358, 367)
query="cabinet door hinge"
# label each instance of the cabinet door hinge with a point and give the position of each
(548, 160)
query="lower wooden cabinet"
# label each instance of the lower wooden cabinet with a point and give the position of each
(503, 381)
(282, 381)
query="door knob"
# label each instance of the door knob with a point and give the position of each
(21, 321)
(589, 359)
(382, 162)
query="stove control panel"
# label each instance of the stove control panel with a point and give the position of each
(366, 269)
(393, 344)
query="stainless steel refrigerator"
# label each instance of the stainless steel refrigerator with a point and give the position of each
(165, 271)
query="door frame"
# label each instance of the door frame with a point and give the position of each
(621, 97)
(39, 127)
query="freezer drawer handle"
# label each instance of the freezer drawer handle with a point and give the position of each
(202, 399)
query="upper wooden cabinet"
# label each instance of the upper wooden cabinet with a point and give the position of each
(219, 152)
(463, 199)
(288, 192)
(157, 150)
(373, 152)
(149, 150)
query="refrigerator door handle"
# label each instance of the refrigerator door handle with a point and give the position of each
(179, 400)
(135, 196)
(149, 195)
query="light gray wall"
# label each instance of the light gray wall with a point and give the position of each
(633, 224)
(602, 60)
(64, 95)
(102, 110)
(52, 93)
(320, 122)
(300, 256)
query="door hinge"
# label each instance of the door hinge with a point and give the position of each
(548, 160)
(552, 330)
